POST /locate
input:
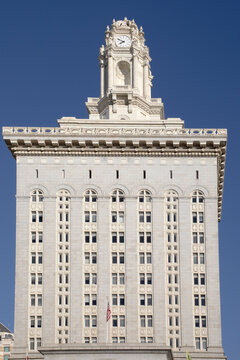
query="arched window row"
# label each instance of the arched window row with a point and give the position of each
(116, 195)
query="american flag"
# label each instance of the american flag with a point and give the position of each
(108, 312)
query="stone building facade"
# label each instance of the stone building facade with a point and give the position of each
(120, 209)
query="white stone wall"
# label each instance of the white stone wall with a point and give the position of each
(50, 180)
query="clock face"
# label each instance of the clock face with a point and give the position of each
(123, 41)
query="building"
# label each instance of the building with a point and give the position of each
(121, 208)
(6, 342)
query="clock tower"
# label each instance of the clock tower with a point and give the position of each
(126, 77)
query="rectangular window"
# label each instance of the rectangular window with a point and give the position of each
(197, 343)
(142, 321)
(32, 300)
(202, 260)
(202, 279)
(121, 217)
(114, 300)
(94, 299)
(90, 174)
(114, 277)
(121, 279)
(33, 279)
(149, 258)
(87, 216)
(149, 300)
(204, 321)
(34, 216)
(87, 279)
(195, 279)
(121, 237)
(87, 321)
(39, 342)
(197, 322)
(122, 320)
(117, 174)
(142, 279)
(87, 237)
(149, 237)
(201, 217)
(142, 299)
(31, 344)
(6, 349)
(34, 237)
(39, 258)
(197, 174)
(94, 258)
(39, 321)
(39, 299)
(149, 320)
(141, 258)
(114, 237)
(204, 343)
(94, 216)
(94, 237)
(40, 216)
(114, 216)
(94, 278)
(201, 238)
(144, 174)
(196, 300)
(141, 216)
(39, 279)
(33, 257)
(203, 300)
(149, 279)
(32, 321)
(121, 258)
(114, 258)
(87, 257)
(148, 217)
(195, 238)
(94, 321)
(87, 300)
(114, 321)
(121, 299)
(141, 237)
(40, 237)
(194, 217)
(195, 258)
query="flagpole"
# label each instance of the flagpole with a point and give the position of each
(107, 322)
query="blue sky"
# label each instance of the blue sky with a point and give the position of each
(48, 67)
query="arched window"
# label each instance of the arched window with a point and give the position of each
(90, 196)
(37, 195)
(117, 196)
(144, 196)
(197, 197)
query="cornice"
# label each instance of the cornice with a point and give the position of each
(126, 140)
